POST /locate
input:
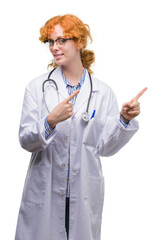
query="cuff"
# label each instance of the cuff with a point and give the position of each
(123, 123)
(48, 129)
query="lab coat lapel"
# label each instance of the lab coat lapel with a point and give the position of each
(84, 93)
(57, 76)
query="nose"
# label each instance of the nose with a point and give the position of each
(54, 46)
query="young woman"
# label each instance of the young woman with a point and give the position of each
(67, 129)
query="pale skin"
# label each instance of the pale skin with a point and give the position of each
(131, 109)
(62, 111)
(69, 59)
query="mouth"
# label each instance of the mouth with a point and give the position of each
(58, 56)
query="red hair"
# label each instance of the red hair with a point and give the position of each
(72, 27)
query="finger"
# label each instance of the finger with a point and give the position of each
(127, 105)
(70, 104)
(134, 113)
(139, 95)
(70, 109)
(71, 96)
(133, 109)
(135, 104)
(70, 114)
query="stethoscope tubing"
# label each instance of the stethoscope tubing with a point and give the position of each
(48, 79)
(90, 94)
(52, 80)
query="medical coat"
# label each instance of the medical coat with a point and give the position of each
(42, 210)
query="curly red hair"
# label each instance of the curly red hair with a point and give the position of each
(72, 27)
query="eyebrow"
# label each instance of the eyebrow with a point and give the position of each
(56, 38)
(60, 37)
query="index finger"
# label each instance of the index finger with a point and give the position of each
(139, 94)
(71, 96)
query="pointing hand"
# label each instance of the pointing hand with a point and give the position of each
(62, 111)
(131, 109)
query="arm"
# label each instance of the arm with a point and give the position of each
(33, 131)
(114, 134)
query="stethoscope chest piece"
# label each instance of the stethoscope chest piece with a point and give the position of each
(85, 116)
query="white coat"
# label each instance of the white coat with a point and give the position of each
(42, 210)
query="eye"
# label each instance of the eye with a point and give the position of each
(61, 40)
(50, 42)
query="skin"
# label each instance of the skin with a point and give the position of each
(68, 58)
(62, 111)
(131, 109)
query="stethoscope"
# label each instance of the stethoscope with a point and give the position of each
(84, 115)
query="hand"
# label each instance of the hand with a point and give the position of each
(62, 111)
(131, 109)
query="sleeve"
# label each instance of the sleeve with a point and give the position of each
(48, 129)
(123, 123)
(115, 134)
(32, 132)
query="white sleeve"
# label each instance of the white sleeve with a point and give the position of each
(114, 135)
(32, 130)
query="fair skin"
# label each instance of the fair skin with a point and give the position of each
(131, 109)
(68, 58)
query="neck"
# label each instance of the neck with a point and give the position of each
(73, 72)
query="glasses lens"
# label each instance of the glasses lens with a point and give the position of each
(61, 42)
(49, 42)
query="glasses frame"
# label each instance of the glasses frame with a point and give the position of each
(51, 42)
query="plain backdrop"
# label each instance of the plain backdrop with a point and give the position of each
(127, 40)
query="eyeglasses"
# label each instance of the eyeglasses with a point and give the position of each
(59, 41)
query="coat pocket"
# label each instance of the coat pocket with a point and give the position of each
(35, 185)
(92, 132)
(96, 194)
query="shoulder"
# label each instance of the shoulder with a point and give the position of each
(37, 82)
(102, 87)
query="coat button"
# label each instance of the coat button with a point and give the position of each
(63, 165)
(62, 193)
(65, 139)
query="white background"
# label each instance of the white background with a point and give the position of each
(128, 45)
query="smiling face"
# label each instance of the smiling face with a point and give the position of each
(66, 54)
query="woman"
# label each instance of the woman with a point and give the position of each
(64, 188)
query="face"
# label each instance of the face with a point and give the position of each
(63, 55)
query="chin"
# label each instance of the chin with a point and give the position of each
(61, 63)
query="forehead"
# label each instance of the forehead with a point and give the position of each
(57, 32)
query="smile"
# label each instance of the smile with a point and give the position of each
(58, 55)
